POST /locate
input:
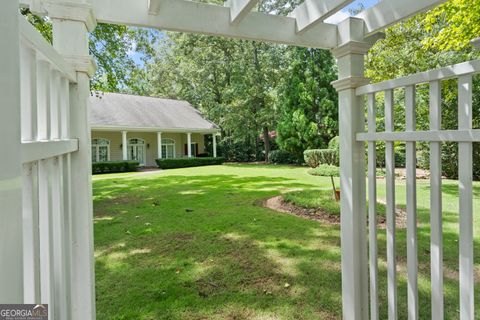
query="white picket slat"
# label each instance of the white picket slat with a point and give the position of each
(436, 230)
(372, 209)
(47, 274)
(43, 98)
(465, 177)
(28, 78)
(54, 105)
(390, 209)
(58, 238)
(411, 185)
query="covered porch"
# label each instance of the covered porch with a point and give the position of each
(147, 145)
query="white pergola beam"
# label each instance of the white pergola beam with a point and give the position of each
(389, 12)
(239, 9)
(195, 17)
(312, 12)
(154, 6)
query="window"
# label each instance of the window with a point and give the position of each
(136, 150)
(100, 150)
(168, 148)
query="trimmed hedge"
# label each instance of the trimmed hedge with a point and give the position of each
(325, 170)
(281, 157)
(114, 166)
(188, 162)
(315, 157)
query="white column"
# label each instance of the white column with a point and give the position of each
(70, 39)
(159, 144)
(189, 144)
(124, 146)
(214, 137)
(350, 57)
(11, 251)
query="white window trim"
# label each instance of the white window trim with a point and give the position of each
(172, 143)
(97, 147)
(144, 145)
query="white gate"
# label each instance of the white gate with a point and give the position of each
(38, 241)
(464, 136)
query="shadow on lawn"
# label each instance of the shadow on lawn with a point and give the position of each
(197, 247)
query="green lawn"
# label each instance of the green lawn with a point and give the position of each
(194, 244)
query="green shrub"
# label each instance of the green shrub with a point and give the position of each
(316, 157)
(281, 157)
(334, 144)
(325, 170)
(114, 166)
(188, 162)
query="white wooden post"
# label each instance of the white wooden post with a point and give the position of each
(70, 38)
(465, 188)
(159, 144)
(436, 233)
(189, 144)
(11, 251)
(350, 56)
(124, 146)
(214, 137)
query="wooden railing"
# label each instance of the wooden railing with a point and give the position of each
(47, 190)
(464, 136)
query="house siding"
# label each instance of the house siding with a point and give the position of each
(115, 138)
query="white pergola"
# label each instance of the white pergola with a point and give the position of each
(46, 229)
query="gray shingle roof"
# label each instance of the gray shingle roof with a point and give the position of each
(129, 111)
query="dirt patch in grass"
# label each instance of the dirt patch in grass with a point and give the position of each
(279, 204)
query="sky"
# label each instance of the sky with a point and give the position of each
(336, 18)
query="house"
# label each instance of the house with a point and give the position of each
(129, 127)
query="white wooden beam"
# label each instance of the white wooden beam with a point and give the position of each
(312, 12)
(388, 12)
(196, 17)
(37, 150)
(239, 9)
(472, 135)
(455, 71)
(154, 6)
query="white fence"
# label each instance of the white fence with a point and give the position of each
(465, 135)
(46, 147)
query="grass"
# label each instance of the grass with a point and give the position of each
(194, 244)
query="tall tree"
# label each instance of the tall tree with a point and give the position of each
(308, 103)
(113, 47)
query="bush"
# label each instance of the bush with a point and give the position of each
(281, 157)
(188, 162)
(334, 144)
(325, 170)
(114, 166)
(316, 157)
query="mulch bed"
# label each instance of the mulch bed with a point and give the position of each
(279, 204)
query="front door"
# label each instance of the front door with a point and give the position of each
(136, 150)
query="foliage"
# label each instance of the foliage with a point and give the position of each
(454, 24)
(315, 157)
(325, 170)
(114, 166)
(307, 101)
(419, 44)
(112, 47)
(188, 162)
(334, 144)
(282, 157)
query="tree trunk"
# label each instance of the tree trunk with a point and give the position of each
(266, 140)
